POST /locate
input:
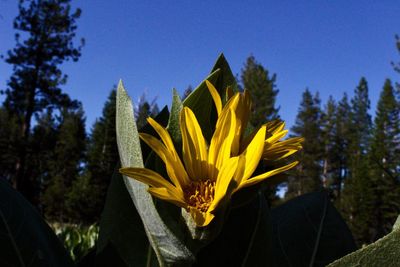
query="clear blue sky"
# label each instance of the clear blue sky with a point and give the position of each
(155, 46)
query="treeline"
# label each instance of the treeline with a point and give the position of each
(46, 153)
(355, 158)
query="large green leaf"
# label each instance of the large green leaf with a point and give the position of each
(384, 252)
(200, 100)
(169, 249)
(245, 239)
(25, 238)
(308, 231)
(122, 236)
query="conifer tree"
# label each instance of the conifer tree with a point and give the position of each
(67, 163)
(47, 30)
(308, 125)
(144, 110)
(262, 87)
(384, 162)
(9, 136)
(41, 153)
(358, 196)
(331, 160)
(342, 142)
(87, 196)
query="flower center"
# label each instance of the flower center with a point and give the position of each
(200, 194)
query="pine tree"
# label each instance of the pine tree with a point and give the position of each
(144, 110)
(384, 161)
(67, 163)
(358, 196)
(262, 87)
(307, 176)
(9, 136)
(331, 157)
(87, 196)
(48, 28)
(342, 143)
(41, 153)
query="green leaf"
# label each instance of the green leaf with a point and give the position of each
(308, 231)
(25, 238)
(245, 239)
(226, 78)
(173, 123)
(384, 252)
(200, 100)
(122, 236)
(169, 249)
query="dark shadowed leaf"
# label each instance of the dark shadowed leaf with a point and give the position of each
(308, 231)
(122, 236)
(245, 239)
(25, 238)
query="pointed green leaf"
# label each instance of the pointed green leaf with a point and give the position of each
(173, 123)
(170, 251)
(226, 78)
(200, 100)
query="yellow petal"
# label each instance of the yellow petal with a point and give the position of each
(216, 97)
(242, 117)
(165, 137)
(276, 137)
(150, 178)
(266, 175)
(251, 157)
(173, 164)
(224, 178)
(201, 219)
(275, 126)
(165, 194)
(194, 145)
(279, 153)
(282, 149)
(221, 142)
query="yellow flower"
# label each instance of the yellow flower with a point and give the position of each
(210, 173)
(274, 149)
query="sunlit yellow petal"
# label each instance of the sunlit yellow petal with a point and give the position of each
(242, 116)
(251, 157)
(275, 126)
(261, 177)
(165, 194)
(221, 142)
(216, 97)
(224, 178)
(174, 166)
(194, 145)
(165, 137)
(149, 177)
(276, 137)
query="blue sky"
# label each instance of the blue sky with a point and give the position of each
(155, 46)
